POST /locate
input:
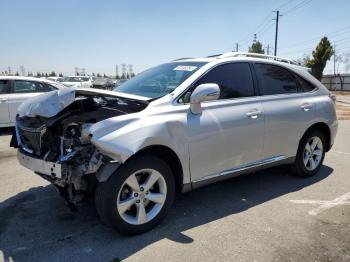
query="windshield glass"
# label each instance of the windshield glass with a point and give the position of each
(160, 80)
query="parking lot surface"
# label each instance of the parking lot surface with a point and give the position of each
(265, 216)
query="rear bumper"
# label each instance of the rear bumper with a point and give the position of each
(40, 166)
(333, 132)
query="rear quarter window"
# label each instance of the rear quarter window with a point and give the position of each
(304, 86)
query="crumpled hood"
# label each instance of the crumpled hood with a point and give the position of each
(51, 103)
(48, 104)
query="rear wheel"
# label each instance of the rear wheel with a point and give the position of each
(137, 197)
(310, 154)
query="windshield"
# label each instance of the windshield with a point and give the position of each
(160, 80)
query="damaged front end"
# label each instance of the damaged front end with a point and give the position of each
(53, 140)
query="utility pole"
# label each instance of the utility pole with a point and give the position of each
(268, 49)
(23, 72)
(276, 35)
(124, 71)
(236, 47)
(254, 40)
(334, 59)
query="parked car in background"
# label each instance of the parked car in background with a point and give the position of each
(120, 82)
(54, 78)
(173, 128)
(103, 83)
(77, 81)
(15, 89)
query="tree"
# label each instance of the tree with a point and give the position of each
(17, 74)
(98, 75)
(46, 75)
(320, 56)
(256, 48)
(60, 75)
(104, 75)
(38, 74)
(93, 74)
(53, 73)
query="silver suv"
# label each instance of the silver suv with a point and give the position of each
(174, 128)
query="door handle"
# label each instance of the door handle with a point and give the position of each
(254, 113)
(306, 106)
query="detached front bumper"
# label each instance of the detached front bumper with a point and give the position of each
(51, 169)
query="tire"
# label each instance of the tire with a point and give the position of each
(303, 166)
(126, 208)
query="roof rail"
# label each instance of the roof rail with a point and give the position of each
(271, 57)
(182, 58)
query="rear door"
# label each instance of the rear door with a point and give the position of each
(4, 106)
(288, 112)
(22, 90)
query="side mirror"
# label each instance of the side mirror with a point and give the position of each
(202, 93)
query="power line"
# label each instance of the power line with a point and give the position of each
(266, 19)
(298, 6)
(334, 34)
(338, 43)
(266, 24)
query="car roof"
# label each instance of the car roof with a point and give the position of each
(26, 78)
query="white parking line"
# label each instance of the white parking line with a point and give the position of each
(324, 205)
(340, 152)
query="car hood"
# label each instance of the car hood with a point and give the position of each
(51, 103)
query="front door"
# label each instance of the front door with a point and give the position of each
(4, 106)
(230, 131)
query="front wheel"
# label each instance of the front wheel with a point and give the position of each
(310, 154)
(137, 196)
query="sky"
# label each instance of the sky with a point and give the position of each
(96, 35)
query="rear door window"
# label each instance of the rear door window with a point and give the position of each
(275, 80)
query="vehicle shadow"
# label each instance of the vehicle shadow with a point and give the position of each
(5, 131)
(36, 225)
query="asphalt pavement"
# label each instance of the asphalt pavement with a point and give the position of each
(265, 216)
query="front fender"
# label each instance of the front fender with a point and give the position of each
(121, 137)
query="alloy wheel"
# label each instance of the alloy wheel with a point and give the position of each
(313, 153)
(142, 196)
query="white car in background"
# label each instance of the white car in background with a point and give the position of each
(55, 78)
(16, 89)
(77, 81)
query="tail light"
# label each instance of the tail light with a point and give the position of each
(333, 97)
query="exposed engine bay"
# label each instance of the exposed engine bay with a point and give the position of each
(63, 144)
